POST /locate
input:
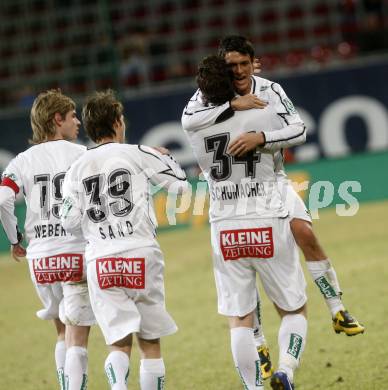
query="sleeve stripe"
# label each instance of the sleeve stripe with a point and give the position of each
(7, 182)
(287, 139)
(169, 172)
(197, 111)
(151, 154)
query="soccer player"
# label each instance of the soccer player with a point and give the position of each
(55, 257)
(250, 232)
(107, 199)
(251, 91)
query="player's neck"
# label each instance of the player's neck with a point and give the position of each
(108, 140)
(55, 137)
(246, 91)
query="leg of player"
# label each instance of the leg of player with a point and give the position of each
(60, 353)
(76, 366)
(292, 340)
(117, 363)
(325, 277)
(245, 355)
(152, 370)
(261, 343)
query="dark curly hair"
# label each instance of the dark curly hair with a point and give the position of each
(236, 43)
(214, 79)
(99, 113)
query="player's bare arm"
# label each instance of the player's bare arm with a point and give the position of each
(246, 102)
(245, 143)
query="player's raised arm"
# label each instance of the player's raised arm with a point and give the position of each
(163, 170)
(292, 134)
(294, 131)
(70, 212)
(197, 115)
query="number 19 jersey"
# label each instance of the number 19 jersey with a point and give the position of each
(239, 187)
(38, 173)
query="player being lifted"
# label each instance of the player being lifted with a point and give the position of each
(250, 232)
(253, 92)
(55, 257)
(107, 199)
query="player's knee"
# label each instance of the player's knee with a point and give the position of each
(301, 310)
(149, 349)
(77, 335)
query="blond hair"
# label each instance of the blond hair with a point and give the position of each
(43, 111)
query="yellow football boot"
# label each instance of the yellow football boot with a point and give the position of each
(265, 362)
(344, 322)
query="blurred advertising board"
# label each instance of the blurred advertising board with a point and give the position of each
(345, 110)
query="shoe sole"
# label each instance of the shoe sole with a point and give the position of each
(349, 334)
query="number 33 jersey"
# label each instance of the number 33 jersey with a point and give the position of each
(107, 196)
(239, 187)
(39, 173)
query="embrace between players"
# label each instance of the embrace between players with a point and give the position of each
(91, 228)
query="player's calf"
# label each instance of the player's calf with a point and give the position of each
(246, 358)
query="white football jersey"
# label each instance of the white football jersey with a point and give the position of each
(197, 116)
(107, 196)
(39, 173)
(239, 187)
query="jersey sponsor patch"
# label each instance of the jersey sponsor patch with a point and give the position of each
(121, 272)
(243, 243)
(65, 267)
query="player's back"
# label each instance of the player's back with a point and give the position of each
(112, 181)
(40, 171)
(240, 187)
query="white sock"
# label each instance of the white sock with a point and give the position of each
(292, 340)
(117, 370)
(76, 368)
(325, 278)
(60, 357)
(258, 327)
(152, 373)
(246, 358)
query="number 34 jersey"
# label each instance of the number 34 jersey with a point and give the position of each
(39, 173)
(107, 196)
(239, 187)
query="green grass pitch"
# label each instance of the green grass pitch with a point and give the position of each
(198, 356)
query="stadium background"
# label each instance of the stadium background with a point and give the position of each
(330, 56)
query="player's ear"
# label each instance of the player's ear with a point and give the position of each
(58, 119)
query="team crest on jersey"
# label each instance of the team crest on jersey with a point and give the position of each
(254, 243)
(121, 272)
(66, 267)
(289, 106)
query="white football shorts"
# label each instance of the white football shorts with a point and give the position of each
(69, 301)
(127, 295)
(264, 246)
(293, 202)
